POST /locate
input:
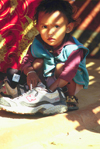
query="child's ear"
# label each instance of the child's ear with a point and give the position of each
(70, 27)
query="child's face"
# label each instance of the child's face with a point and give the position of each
(52, 27)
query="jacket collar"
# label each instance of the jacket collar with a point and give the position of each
(68, 40)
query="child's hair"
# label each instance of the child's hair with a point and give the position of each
(49, 6)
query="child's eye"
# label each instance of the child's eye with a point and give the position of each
(44, 26)
(56, 26)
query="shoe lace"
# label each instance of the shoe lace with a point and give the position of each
(37, 89)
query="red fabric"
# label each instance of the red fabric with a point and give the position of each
(15, 17)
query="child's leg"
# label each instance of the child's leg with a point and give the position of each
(59, 69)
(72, 100)
(72, 87)
(38, 67)
(70, 90)
(52, 79)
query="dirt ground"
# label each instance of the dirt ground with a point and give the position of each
(72, 130)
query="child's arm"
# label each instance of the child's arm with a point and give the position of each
(69, 70)
(27, 60)
(27, 68)
(71, 65)
(32, 77)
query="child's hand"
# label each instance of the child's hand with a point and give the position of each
(32, 80)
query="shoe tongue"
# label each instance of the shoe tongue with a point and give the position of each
(40, 84)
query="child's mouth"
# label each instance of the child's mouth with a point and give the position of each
(51, 39)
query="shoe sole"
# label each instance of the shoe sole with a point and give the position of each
(44, 109)
(73, 108)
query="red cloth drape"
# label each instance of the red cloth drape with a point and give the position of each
(16, 31)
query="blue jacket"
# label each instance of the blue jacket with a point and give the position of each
(50, 61)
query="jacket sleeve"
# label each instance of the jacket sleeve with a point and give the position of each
(71, 65)
(27, 60)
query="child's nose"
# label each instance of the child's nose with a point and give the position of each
(51, 31)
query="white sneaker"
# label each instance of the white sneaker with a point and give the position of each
(36, 100)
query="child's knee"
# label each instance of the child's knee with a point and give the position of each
(59, 69)
(38, 64)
